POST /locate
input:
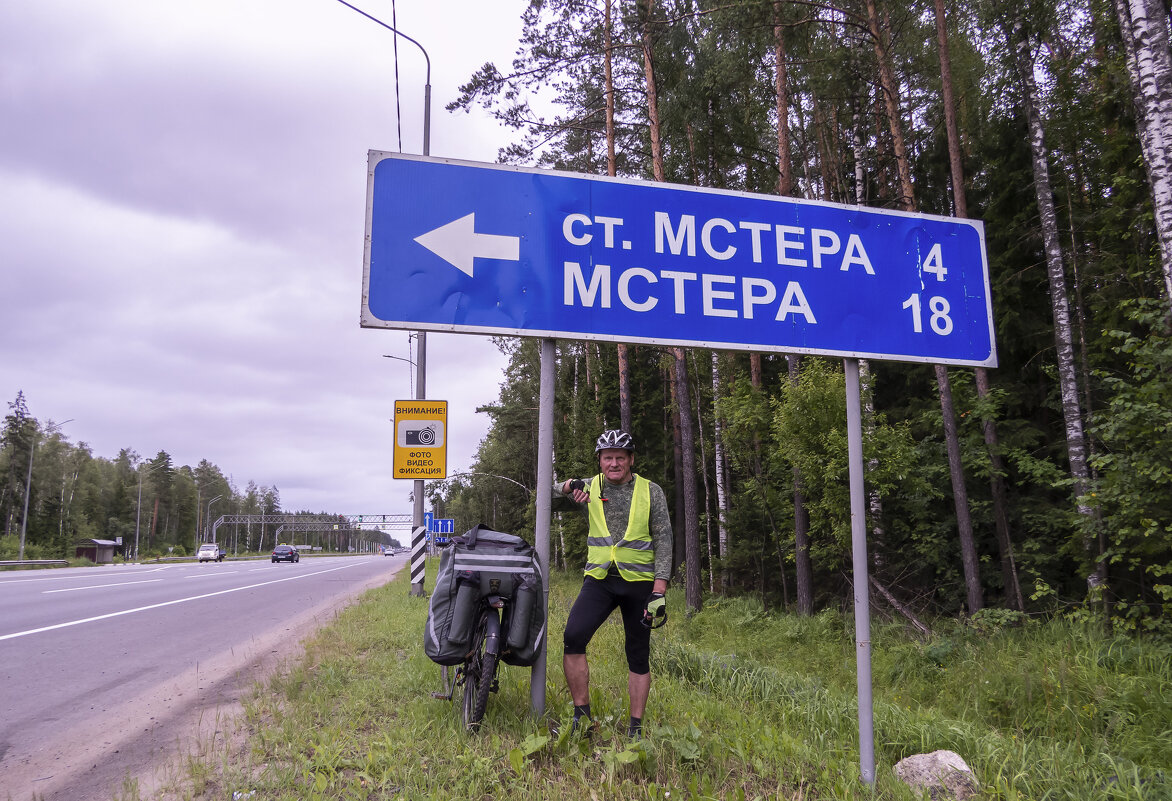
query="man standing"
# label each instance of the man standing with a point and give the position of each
(628, 564)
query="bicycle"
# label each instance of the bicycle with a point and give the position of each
(477, 676)
(495, 588)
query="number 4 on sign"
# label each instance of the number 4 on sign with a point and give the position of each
(935, 263)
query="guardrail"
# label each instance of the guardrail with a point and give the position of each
(32, 562)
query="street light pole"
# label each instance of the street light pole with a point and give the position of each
(198, 508)
(207, 521)
(420, 366)
(402, 358)
(492, 475)
(28, 481)
(427, 86)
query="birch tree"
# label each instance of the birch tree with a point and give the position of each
(1143, 24)
(1023, 60)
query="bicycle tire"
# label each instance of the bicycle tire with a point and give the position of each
(487, 675)
(471, 680)
(473, 669)
(470, 686)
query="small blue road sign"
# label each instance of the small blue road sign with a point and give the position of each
(444, 528)
(477, 248)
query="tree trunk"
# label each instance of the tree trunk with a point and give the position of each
(1013, 594)
(721, 499)
(1144, 27)
(1067, 376)
(785, 170)
(860, 176)
(608, 43)
(785, 187)
(652, 98)
(704, 475)
(804, 568)
(874, 501)
(890, 91)
(687, 474)
(1009, 577)
(903, 610)
(755, 377)
(624, 387)
(562, 543)
(907, 195)
(687, 485)
(154, 517)
(679, 545)
(622, 347)
(956, 170)
(968, 548)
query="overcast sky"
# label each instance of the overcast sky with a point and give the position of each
(182, 201)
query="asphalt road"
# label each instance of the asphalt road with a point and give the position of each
(104, 671)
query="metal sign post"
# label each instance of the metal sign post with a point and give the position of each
(544, 504)
(854, 438)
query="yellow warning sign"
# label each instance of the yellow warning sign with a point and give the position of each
(421, 439)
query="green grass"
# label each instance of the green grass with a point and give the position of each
(743, 705)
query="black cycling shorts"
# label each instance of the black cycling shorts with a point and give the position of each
(596, 600)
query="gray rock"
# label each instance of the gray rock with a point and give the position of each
(942, 773)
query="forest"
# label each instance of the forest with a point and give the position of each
(1040, 487)
(54, 493)
(66, 493)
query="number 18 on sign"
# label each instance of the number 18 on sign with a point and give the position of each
(421, 442)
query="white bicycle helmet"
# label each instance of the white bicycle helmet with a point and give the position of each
(613, 438)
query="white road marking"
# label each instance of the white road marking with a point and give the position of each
(217, 573)
(4, 580)
(100, 586)
(55, 626)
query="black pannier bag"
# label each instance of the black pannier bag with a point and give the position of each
(478, 563)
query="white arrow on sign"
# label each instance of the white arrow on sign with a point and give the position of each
(458, 244)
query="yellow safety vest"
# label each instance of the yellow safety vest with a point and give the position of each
(634, 553)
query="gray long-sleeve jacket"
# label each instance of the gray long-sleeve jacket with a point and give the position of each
(618, 510)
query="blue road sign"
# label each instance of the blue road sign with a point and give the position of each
(477, 248)
(439, 525)
(442, 527)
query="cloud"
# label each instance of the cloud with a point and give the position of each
(182, 207)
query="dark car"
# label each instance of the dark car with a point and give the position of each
(285, 553)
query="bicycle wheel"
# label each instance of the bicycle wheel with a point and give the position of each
(469, 683)
(479, 674)
(472, 670)
(487, 676)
